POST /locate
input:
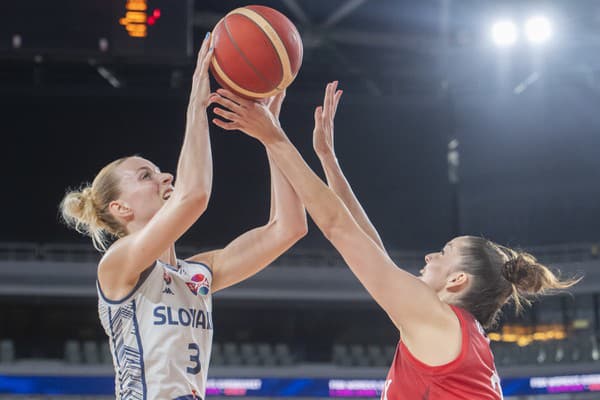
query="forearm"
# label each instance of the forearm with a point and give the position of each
(338, 182)
(324, 206)
(286, 208)
(194, 168)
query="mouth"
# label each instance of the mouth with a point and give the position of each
(167, 194)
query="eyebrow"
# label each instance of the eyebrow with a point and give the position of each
(148, 169)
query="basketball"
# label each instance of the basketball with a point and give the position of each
(257, 52)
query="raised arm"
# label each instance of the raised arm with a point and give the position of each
(257, 248)
(399, 293)
(128, 257)
(323, 145)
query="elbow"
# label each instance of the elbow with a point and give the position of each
(300, 230)
(300, 227)
(196, 201)
(289, 233)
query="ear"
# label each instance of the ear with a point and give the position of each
(120, 210)
(457, 282)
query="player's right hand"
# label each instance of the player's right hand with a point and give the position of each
(324, 116)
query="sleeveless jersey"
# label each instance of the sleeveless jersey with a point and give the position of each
(470, 376)
(160, 335)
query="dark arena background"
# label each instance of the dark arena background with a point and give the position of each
(458, 117)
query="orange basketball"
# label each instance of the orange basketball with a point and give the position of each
(257, 52)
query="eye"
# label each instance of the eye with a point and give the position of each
(146, 175)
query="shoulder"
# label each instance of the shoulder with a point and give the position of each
(115, 256)
(112, 272)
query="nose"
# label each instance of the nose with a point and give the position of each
(167, 178)
(428, 257)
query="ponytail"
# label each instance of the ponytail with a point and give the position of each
(87, 210)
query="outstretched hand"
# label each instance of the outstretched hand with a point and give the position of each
(199, 97)
(324, 116)
(251, 117)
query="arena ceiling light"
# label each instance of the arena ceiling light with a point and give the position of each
(504, 33)
(538, 29)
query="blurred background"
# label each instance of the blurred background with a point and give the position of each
(458, 117)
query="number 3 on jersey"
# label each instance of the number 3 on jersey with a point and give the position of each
(194, 358)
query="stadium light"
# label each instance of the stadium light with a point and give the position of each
(504, 33)
(538, 29)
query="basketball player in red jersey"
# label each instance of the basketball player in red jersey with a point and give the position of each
(443, 353)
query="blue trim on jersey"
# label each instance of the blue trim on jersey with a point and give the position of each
(112, 336)
(199, 263)
(176, 269)
(169, 266)
(141, 349)
(143, 276)
(128, 359)
(189, 397)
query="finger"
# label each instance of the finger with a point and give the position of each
(200, 64)
(325, 95)
(203, 50)
(328, 95)
(206, 61)
(276, 102)
(226, 114)
(331, 101)
(245, 103)
(318, 115)
(228, 126)
(225, 102)
(338, 96)
(327, 101)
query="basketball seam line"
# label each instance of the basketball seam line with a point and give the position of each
(256, 71)
(269, 30)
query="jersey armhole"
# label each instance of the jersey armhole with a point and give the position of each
(202, 264)
(449, 366)
(142, 278)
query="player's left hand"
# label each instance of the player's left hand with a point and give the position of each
(251, 117)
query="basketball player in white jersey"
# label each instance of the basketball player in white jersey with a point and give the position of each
(155, 308)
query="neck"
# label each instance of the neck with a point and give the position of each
(448, 297)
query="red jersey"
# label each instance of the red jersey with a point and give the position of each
(470, 376)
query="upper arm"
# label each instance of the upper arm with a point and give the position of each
(408, 301)
(248, 253)
(130, 255)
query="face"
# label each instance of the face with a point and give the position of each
(440, 266)
(144, 189)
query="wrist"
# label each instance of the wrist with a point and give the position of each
(328, 157)
(276, 135)
(198, 116)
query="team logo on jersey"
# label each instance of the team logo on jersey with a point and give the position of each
(199, 284)
(167, 278)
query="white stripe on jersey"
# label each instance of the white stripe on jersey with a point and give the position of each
(160, 335)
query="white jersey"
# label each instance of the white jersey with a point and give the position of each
(161, 334)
